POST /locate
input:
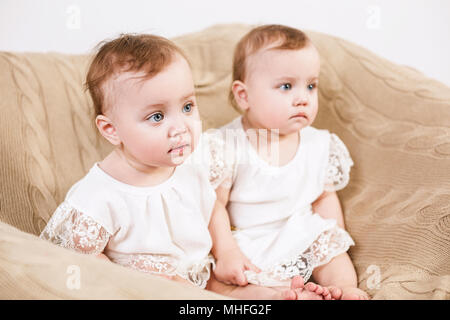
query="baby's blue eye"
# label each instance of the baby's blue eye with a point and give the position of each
(187, 107)
(157, 117)
(311, 86)
(286, 86)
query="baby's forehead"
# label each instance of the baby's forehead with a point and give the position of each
(119, 83)
(268, 55)
(127, 78)
(123, 81)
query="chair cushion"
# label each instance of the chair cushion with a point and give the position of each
(32, 268)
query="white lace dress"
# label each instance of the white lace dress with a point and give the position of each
(270, 207)
(159, 230)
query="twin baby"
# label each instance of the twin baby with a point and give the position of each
(257, 217)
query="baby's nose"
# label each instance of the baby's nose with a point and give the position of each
(300, 101)
(300, 98)
(177, 130)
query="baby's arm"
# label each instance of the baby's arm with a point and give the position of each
(329, 207)
(230, 261)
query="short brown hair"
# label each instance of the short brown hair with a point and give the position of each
(127, 53)
(261, 37)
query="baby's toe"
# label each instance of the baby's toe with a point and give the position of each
(311, 286)
(319, 289)
(335, 292)
(297, 282)
(365, 296)
(327, 296)
(307, 295)
(326, 293)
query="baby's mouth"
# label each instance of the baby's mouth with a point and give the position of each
(299, 115)
(179, 149)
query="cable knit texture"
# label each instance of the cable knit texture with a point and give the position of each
(394, 121)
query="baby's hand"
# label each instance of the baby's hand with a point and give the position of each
(230, 267)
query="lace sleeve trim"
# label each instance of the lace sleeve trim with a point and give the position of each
(339, 164)
(75, 230)
(220, 169)
(328, 245)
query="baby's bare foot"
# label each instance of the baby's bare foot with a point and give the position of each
(336, 293)
(352, 293)
(288, 295)
(304, 294)
(283, 293)
(297, 291)
(310, 291)
(298, 285)
(319, 290)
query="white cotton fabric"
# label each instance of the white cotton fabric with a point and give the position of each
(270, 207)
(161, 229)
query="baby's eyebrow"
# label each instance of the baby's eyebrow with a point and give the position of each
(192, 94)
(154, 106)
(161, 105)
(286, 78)
(293, 79)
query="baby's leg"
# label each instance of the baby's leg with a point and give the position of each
(255, 292)
(339, 276)
(250, 291)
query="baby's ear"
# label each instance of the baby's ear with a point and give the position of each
(240, 94)
(107, 129)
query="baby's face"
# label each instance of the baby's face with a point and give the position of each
(282, 89)
(157, 119)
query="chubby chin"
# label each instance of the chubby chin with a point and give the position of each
(293, 126)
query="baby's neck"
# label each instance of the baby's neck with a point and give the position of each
(270, 133)
(128, 171)
(276, 149)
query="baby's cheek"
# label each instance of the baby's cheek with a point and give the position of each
(195, 127)
(153, 147)
(280, 119)
(314, 112)
(269, 112)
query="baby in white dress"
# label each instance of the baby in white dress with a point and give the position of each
(135, 207)
(276, 176)
(147, 205)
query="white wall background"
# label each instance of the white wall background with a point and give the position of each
(409, 32)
